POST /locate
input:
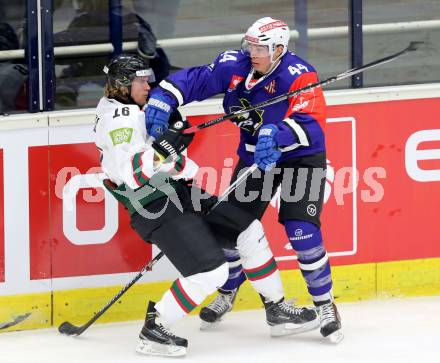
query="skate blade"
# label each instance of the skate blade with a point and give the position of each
(336, 337)
(204, 325)
(290, 328)
(152, 348)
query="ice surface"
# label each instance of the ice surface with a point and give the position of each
(395, 330)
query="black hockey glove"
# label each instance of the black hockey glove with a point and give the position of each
(172, 142)
(146, 40)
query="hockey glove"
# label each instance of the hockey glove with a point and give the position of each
(172, 142)
(157, 114)
(146, 41)
(266, 152)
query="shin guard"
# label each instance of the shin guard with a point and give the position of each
(258, 262)
(186, 293)
(306, 240)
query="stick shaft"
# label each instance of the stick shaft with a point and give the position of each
(146, 268)
(351, 72)
(235, 184)
(79, 330)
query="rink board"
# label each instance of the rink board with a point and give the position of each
(66, 247)
(352, 283)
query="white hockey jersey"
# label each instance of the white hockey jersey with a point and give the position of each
(127, 156)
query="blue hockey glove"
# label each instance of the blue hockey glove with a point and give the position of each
(157, 114)
(266, 152)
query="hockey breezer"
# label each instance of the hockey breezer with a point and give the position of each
(68, 328)
(413, 46)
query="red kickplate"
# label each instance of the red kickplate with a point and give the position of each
(83, 239)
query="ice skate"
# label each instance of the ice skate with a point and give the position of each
(212, 314)
(155, 339)
(331, 327)
(286, 319)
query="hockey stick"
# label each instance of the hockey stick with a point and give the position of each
(15, 321)
(68, 328)
(235, 184)
(413, 46)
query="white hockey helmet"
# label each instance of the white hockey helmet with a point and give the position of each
(266, 32)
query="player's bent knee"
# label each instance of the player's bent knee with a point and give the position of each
(207, 282)
(252, 240)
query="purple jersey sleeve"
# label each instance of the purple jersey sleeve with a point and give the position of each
(202, 82)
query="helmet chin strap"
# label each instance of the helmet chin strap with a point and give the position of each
(273, 64)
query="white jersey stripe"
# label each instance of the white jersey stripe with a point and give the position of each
(170, 88)
(251, 148)
(302, 137)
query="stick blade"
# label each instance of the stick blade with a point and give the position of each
(67, 328)
(15, 321)
(415, 45)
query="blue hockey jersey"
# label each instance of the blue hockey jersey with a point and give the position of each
(303, 116)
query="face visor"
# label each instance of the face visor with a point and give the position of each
(146, 73)
(254, 49)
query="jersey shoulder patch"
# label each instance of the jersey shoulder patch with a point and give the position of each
(121, 135)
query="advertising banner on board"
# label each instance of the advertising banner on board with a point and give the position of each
(381, 196)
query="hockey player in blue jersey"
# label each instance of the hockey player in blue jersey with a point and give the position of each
(285, 139)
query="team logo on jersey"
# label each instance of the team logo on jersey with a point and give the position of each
(249, 121)
(119, 136)
(270, 88)
(300, 105)
(302, 100)
(235, 80)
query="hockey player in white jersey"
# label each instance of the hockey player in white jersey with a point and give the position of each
(149, 176)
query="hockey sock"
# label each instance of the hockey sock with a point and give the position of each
(186, 293)
(306, 240)
(236, 274)
(258, 262)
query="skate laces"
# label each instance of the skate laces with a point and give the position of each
(290, 308)
(221, 303)
(166, 331)
(327, 314)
